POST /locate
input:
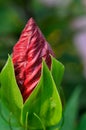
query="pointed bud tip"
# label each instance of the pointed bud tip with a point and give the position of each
(31, 21)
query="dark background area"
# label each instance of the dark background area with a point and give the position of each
(63, 23)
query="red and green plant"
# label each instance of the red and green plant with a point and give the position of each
(30, 83)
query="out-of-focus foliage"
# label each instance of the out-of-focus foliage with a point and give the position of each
(82, 123)
(71, 111)
(56, 20)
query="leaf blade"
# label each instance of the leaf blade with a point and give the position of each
(70, 112)
(44, 101)
(11, 95)
(57, 70)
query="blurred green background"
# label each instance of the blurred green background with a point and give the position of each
(63, 22)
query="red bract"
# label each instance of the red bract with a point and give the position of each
(27, 57)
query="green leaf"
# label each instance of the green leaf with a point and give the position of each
(70, 113)
(11, 95)
(0, 87)
(44, 105)
(3, 122)
(57, 70)
(7, 119)
(82, 124)
(3, 125)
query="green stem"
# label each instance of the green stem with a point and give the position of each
(40, 121)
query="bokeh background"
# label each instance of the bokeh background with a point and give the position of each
(63, 23)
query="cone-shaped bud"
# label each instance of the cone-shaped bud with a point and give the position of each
(27, 57)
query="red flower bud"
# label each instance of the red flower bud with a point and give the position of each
(27, 57)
